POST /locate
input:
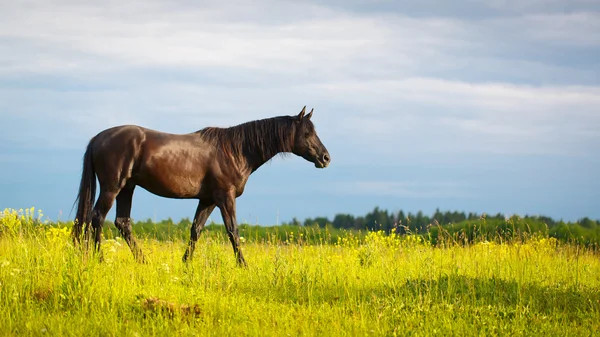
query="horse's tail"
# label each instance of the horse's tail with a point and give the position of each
(86, 195)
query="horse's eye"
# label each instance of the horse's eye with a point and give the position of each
(307, 134)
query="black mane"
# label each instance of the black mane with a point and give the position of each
(264, 138)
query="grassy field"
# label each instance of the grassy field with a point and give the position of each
(371, 284)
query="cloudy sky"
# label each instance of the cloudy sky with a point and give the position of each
(477, 106)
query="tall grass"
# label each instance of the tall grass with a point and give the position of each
(369, 284)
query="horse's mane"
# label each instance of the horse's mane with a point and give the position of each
(264, 138)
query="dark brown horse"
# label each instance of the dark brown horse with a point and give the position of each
(212, 165)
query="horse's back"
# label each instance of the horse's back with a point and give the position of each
(118, 138)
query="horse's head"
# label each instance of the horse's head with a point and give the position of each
(306, 142)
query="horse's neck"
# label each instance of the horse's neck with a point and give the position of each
(258, 154)
(258, 158)
(256, 162)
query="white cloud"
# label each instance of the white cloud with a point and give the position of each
(59, 36)
(558, 29)
(414, 114)
(392, 78)
(537, 5)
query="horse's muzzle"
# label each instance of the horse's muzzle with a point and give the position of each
(323, 161)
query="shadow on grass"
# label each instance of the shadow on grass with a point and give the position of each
(498, 292)
(455, 290)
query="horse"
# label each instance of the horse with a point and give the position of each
(212, 165)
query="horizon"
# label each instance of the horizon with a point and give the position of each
(481, 106)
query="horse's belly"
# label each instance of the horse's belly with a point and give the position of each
(179, 190)
(170, 183)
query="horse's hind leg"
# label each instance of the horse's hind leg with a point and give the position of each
(103, 205)
(123, 220)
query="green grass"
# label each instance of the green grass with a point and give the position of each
(360, 285)
(252, 233)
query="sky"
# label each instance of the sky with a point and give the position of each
(476, 106)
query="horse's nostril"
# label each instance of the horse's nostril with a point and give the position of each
(326, 158)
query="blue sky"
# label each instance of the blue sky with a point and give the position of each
(478, 106)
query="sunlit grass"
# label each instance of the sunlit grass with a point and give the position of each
(373, 285)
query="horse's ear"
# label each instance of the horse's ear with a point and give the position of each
(310, 113)
(301, 115)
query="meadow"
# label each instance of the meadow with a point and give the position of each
(299, 282)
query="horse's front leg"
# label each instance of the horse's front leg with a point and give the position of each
(202, 213)
(225, 200)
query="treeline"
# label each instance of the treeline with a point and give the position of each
(469, 225)
(438, 227)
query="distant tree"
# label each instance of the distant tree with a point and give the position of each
(360, 223)
(379, 220)
(547, 220)
(448, 218)
(185, 222)
(343, 221)
(438, 216)
(401, 222)
(321, 221)
(420, 222)
(458, 217)
(587, 223)
(410, 222)
(401, 218)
